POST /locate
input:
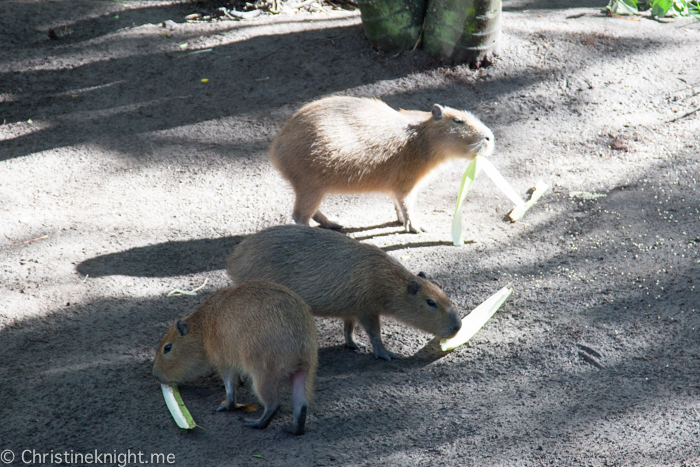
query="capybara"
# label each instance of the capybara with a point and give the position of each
(343, 278)
(357, 145)
(257, 329)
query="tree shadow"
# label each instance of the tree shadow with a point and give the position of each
(74, 22)
(153, 93)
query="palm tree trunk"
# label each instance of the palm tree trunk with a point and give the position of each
(392, 24)
(457, 31)
(463, 31)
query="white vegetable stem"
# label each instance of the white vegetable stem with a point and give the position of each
(177, 407)
(500, 182)
(482, 163)
(477, 318)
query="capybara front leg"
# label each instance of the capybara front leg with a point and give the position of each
(371, 325)
(350, 334)
(305, 206)
(409, 226)
(230, 377)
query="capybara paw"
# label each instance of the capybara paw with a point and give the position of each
(224, 406)
(413, 228)
(253, 423)
(331, 225)
(386, 355)
(295, 430)
(352, 345)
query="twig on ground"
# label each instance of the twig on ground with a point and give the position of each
(685, 115)
(631, 18)
(28, 241)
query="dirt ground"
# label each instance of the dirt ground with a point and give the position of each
(123, 176)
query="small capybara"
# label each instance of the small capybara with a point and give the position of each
(343, 278)
(257, 329)
(358, 145)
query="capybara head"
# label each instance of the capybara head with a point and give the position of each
(461, 134)
(180, 356)
(425, 306)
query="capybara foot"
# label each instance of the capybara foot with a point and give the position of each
(264, 419)
(298, 427)
(224, 406)
(325, 223)
(412, 228)
(385, 354)
(332, 225)
(352, 345)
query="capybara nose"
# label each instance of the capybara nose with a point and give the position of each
(456, 322)
(157, 376)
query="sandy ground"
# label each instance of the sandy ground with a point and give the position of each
(135, 178)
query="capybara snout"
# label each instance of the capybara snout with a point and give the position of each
(427, 308)
(454, 326)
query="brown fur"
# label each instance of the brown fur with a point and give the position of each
(343, 278)
(257, 329)
(352, 145)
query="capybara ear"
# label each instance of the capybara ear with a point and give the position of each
(437, 112)
(413, 287)
(182, 328)
(422, 274)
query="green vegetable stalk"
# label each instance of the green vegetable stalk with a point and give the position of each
(467, 180)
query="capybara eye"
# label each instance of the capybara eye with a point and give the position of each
(456, 120)
(167, 348)
(431, 303)
(487, 138)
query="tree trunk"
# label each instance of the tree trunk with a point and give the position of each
(392, 24)
(463, 31)
(458, 31)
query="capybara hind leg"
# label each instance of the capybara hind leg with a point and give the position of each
(325, 223)
(264, 420)
(300, 404)
(350, 334)
(402, 207)
(268, 393)
(305, 206)
(399, 212)
(371, 325)
(229, 376)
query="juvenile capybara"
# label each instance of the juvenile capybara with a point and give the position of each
(358, 145)
(257, 329)
(343, 278)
